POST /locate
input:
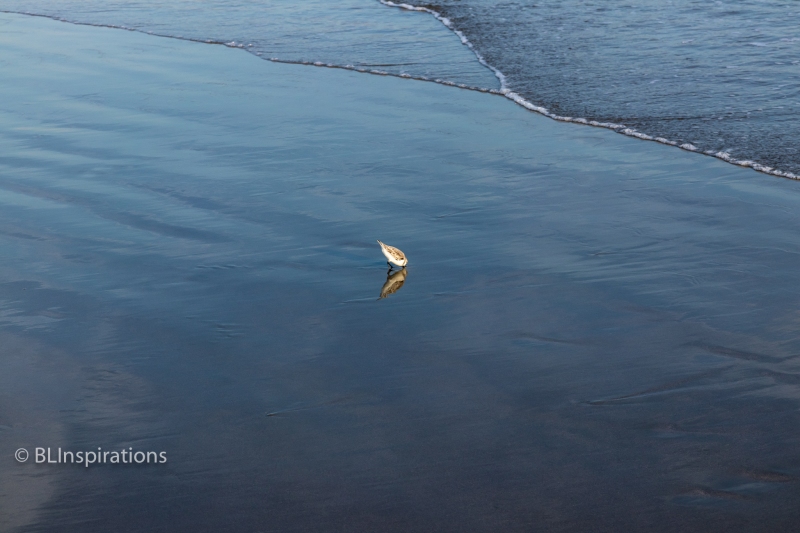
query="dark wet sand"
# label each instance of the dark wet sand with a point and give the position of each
(595, 333)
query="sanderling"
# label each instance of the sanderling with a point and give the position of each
(393, 255)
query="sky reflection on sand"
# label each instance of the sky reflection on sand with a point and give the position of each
(598, 331)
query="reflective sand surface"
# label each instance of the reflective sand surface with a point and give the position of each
(594, 332)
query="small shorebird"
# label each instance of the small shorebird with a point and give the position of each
(393, 255)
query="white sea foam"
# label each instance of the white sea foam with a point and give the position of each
(619, 128)
(503, 91)
(446, 21)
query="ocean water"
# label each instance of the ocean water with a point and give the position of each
(721, 77)
(717, 77)
(594, 333)
(356, 33)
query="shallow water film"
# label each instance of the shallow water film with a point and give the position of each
(721, 76)
(593, 333)
(718, 77)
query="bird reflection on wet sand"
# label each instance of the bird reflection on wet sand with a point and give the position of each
(394, 280)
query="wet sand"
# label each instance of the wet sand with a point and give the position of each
(593, 333)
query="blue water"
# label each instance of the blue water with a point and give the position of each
(594, 333)
(717, 77)
(723, 77)
(360, 33)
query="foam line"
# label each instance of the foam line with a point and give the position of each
(247, 47)
(619, 128)
(503, 91)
